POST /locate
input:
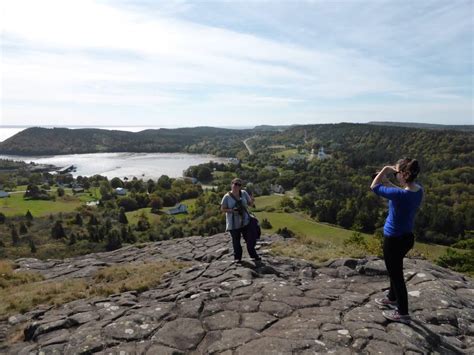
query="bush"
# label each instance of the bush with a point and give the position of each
(285, 232)
(356, 239)
(265, 224)
(462, 262)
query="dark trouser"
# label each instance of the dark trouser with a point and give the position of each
(251, 242)
(394, 250)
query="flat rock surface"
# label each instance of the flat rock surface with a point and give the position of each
(279, 306)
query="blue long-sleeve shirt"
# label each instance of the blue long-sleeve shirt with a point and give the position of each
(402, 208)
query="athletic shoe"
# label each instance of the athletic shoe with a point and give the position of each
(397, 317)
(385, 302)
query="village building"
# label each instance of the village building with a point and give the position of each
(322, 155)
(77, 189)
(180, 208)
(278, 189)
(120, 191)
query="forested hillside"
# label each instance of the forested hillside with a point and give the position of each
(336, 190)
(45, 141)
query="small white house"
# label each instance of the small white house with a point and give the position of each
(180, 208)
(120, 191)
(278, 189)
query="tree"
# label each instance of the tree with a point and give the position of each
(29, 216)
(78, 220)
(164, 182)
(143, 224)
(57, 232)
(32, 245)
(128, 204)
(14, 234)
(113, 240)
(23, 229)
(72, 239)
(60, 192)
(116, 182)
(156, 203)
(204, 174)
(150, 186)
(93, 220)
(105, 190)
(266, 224)
(122, 218)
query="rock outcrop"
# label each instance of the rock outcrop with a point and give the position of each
(279, 306)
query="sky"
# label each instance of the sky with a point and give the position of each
(178, 63)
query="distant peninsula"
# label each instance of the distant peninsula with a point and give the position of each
(49, 141)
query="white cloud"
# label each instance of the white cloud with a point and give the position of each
(91, 53)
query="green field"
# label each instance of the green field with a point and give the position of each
(328, 240)
(304, 226)
(16, 205)
(286, 153)
(263, 202)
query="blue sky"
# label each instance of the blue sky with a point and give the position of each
(235, 63)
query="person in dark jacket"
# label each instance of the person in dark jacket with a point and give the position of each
(404, 201)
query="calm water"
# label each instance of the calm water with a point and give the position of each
(141, 165)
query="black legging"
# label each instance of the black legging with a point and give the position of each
(394, 250)
(251, 242)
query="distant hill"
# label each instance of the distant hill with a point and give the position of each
(465, 128)
(45, 141)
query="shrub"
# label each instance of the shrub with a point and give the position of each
(462, 262)
(265, 224)
(356, 239)
(285, 232)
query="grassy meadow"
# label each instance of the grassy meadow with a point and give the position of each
(319, 242)
(23, 291)
(16, 205)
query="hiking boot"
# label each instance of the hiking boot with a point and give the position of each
(394, 316)
(385, 302)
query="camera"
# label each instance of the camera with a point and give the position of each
(238, 207)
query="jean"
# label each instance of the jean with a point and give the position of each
(251, 242)
(394, 250)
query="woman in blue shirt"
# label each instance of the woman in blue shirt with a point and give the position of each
(403, 204)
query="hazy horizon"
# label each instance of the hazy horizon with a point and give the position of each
(227, 64)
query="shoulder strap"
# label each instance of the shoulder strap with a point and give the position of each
(232, 195)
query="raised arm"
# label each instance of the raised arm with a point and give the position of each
(381, 177)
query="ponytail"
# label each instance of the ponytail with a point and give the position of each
(410, 168)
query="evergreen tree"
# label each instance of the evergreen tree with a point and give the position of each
(143, 224)
(14, 234)
(122, 218)
(78, 221)
(93, 221)
(113, 240)
(32, 245)
(29, 216)
(57, 232)
(23, 229)
(72, 239)
(108, 225)
(60, 192)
